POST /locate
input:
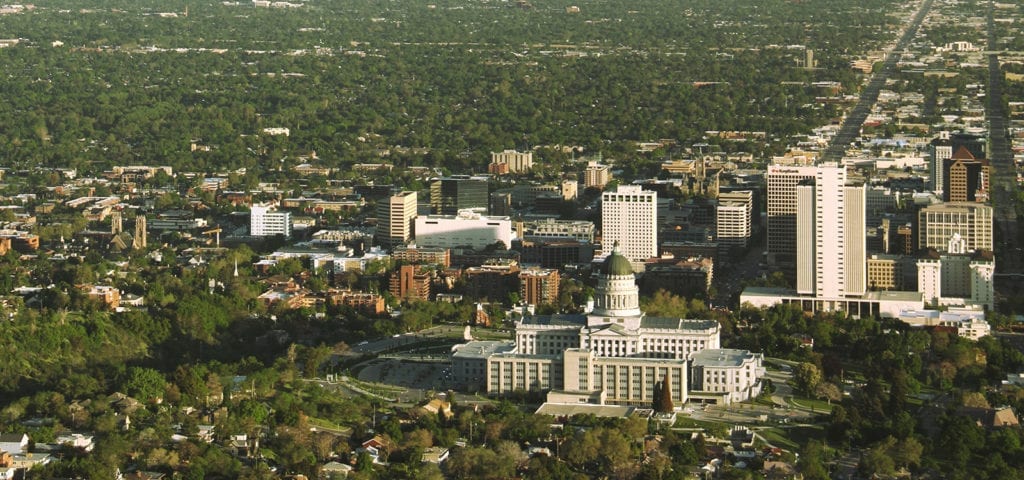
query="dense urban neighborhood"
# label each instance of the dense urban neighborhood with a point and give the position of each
(498, 239)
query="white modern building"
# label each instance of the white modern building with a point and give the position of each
(968, 323)
(396, 217)
(940, 149)
(886, 304)
(733, 218)
(958, 277)
(265, 222)
(552, 229)
(629, 218)
(467, 229)
(831, 241)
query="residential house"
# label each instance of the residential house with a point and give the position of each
(14, 442)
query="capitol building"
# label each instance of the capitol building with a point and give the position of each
(614, 355)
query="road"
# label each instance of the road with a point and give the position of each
(387, 344)
(850, 129)
(1003, 184)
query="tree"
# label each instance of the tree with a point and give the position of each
(806, 377)
(145, 384)
(878, 460)
(812, 461)
(663, 396)
(829, 391)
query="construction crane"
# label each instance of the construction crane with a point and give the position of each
(214, 231)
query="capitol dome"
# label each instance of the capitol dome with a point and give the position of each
(616, 264)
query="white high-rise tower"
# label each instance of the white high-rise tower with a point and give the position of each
(629, 217)
(831, 257)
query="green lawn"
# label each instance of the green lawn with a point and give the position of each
(792, 437)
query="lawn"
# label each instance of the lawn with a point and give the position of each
(792, 438)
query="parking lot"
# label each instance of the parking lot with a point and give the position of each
(404, 373)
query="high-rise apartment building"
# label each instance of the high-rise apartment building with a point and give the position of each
(831, 253)
(449, 195)
(409, 282)
(539, 286)
(629, 218)
(782, 184)
(395, 217)
(733, 218)
(972, 221)
(518, 162)
(596, 175)
(264, 222)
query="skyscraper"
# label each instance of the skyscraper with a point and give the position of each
(448, 195)
(629, 217)
(941, 149)
(782, 230)
(395, 218)
(831, 258)
(965, 178)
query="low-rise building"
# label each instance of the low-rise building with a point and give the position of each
(969, 324)
(467, 229)
(726, 375)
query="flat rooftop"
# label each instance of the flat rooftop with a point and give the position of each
(481, 349)
(568, 410)
(721, 357)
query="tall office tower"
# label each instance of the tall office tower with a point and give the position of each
(263, 222)
(831, 251)
(782, 184)
(139, 241)
(448, 195)
(395, 218)
(733, 218)
(965, 178)
(972, 221)
(629, 217)
(596, 175)
(518, 162)
(941, 149)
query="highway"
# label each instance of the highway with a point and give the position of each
(851, 127)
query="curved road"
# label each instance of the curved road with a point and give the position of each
(850, 129)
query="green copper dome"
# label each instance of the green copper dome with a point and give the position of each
(616, 264)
